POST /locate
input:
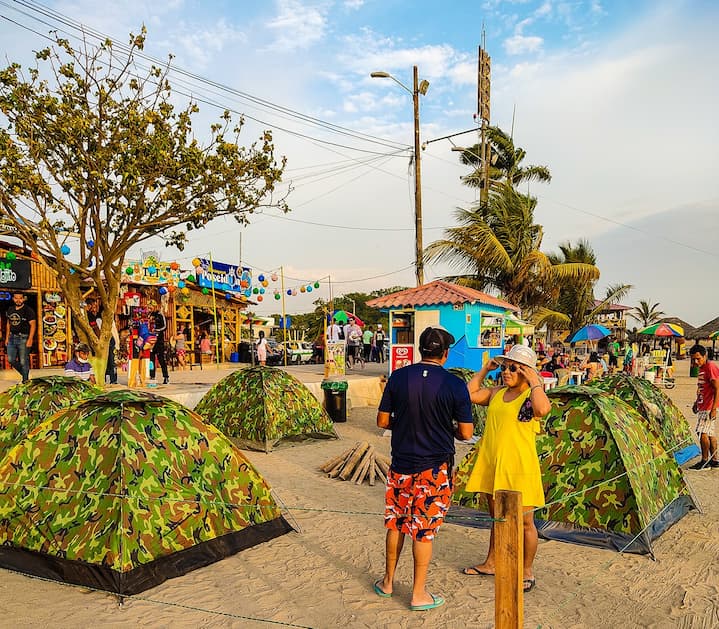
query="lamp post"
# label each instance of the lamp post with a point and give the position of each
(419, 87)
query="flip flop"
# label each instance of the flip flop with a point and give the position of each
(528, 585)
(437, 601)
(473, 572)
(379, 591)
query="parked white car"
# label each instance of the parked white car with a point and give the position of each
(298, 352)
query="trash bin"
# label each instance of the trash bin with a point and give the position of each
(335, 399)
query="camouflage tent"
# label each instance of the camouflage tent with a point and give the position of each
(607, 482)
(126, 490)
(262, 406)
(26, 405)
(479, 413)
(651, 402)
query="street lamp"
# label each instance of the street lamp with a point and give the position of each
(419, 87)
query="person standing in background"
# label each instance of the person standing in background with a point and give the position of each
(19, 334)
(705, 406)
(159, 323)
(379, 340)
(367, 342)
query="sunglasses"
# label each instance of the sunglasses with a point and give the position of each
(513, 368)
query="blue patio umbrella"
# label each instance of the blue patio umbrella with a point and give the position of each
(590, 332)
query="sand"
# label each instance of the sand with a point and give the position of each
(322, 576)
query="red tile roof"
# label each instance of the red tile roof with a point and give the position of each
(436, 293)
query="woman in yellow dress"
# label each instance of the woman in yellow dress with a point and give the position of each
(507, 457)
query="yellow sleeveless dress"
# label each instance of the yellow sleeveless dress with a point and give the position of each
(507, 456)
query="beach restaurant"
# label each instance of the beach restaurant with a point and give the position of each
(477, 321)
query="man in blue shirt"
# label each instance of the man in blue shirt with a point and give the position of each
(419, 405)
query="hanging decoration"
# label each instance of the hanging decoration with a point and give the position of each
(64, 250)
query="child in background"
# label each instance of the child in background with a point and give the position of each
(180, 348)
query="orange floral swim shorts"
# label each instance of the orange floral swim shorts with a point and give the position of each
(415, 504)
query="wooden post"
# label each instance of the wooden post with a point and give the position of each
(509, 553)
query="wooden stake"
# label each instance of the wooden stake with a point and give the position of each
(332, 462)
(509, 553)
(372, 470)
(352, 461)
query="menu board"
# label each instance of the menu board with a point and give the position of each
(54, 329)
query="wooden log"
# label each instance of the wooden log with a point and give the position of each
(353, 460)
(509, 552)
(335, 471)
(362, 463)
(383, 465)
(334, 461)
(373, 470)
(364, 470)
(381, 476)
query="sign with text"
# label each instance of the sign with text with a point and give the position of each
(224, 277)
(401, 356)
(152, 271)
(15, 274)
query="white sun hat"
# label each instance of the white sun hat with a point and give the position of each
(519, 354)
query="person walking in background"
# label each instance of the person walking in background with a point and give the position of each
(159, 325)
(418, 405)
(705, 407)
(181, 348)
(367, 342)
(262, 346)
(507, 457)
(19, 334)
(379, 340)
(333, 331)
(79, 366)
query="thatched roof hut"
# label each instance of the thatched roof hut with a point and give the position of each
(702, 333)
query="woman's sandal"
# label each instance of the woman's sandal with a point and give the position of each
(473, 571)
(528, 584)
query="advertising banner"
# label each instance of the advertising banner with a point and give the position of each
(401, 356)
(152, 272)
(335, 359)
(15, 274)
(224, 277)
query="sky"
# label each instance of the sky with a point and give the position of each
(616, 98)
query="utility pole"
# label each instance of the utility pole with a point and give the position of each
(483, 82)
(418, 247)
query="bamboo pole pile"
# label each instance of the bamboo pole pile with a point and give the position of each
(358, 463)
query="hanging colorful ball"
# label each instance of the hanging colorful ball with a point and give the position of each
(162, 290)
(171, 288)
(91, 243)
(191, 278)
(205, 291)
(264, 283)
(10, 255)
(196, 262)
(228, 296)
(64, 250)
(72, 271)
(180, 284)
(174, 266)
(260, 298)
(261, 277)
(129, 270)
(274, 277)
(309, 289)
(317, 284)
(255, 290)
(185, 291)
(302, 289)
(277, 295)
(294, 292)
(262, 291)
(289, 291)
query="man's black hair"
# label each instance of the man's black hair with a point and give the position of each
(698, 349)
(433, 342)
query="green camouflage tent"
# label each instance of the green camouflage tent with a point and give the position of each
(651, 402)
(27, 405)
(125, 490)
(262, 406)
(607, 481)
(479, 413)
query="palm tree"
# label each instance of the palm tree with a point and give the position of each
(576, 305)
(647, 313)
(504, 162)
(497, 246)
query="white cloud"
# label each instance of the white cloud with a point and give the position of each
(297, 25)
(354, 4)
(519, 44)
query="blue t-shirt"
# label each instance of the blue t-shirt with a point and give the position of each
(423, 399)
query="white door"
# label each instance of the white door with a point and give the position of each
(422, 320)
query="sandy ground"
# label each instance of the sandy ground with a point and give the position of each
(322, 575)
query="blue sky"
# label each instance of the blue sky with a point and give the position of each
(617, 98)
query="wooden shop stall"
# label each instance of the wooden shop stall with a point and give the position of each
(53, 331)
